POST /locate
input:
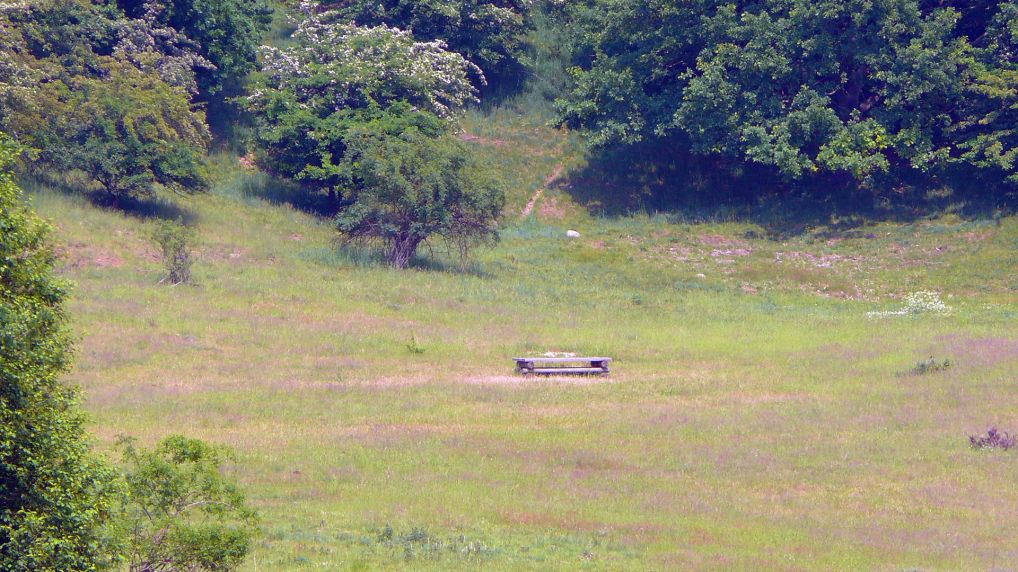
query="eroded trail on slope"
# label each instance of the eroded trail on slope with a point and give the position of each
(555, 176)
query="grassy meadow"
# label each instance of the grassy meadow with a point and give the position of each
(758, 416)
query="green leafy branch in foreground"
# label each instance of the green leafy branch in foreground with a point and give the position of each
(62, 507)
(183, 514)
(56, 498)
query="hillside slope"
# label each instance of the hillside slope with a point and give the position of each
(759, 417)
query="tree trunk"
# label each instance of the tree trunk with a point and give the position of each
(402, 251)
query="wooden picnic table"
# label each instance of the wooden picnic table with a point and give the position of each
(563, 365)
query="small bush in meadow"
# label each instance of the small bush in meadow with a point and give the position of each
(419, 544)
(414, 347)
(994, 439)
(174, 240)
(930, 366)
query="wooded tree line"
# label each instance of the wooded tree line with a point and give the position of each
(851, 89)
(365, 93)
(360, 105)
(62, 508)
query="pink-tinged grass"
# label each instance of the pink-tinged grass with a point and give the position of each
(756, 417)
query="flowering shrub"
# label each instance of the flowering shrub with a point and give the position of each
(336, 65)
(489, 33)
(158, 49)
(336, 77)
(364, 116)
(917, 303)
(925, 303)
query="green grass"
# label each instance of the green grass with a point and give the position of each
(756, 418)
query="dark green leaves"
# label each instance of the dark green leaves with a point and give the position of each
(818, 86)
(409, 188)
(182, 512)
(55, 498)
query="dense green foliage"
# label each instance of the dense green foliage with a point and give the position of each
(183, 514)
(869, 93)
(806, 86)
(489, 33)
(226, 32)
(128, 131)
(411, 187)
(96, 92)
(338, 75)
(55, 498)
(363, 115)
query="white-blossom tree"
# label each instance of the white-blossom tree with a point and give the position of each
(489, 33)
(335, 76)
(364, 116)
(335, 65)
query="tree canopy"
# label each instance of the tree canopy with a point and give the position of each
(56, 499)
(227, 33)
(411, 188)
(94, 91)
(806, 86)
(337, 75)
(489, 33)
(128, 131)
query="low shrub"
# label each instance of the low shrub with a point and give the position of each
(414, 347)
(174, 240)
(994, 439)
(419, 544)
(930, 366)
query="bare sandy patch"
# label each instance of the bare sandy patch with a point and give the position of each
(721, 240)
(249, 162)
(555, 176)
(224, 253)
(148, 252)
(79, 255)
(471, 138)
(536, 380)
(551, 209)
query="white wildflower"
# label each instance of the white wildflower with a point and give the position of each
(917, 303)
